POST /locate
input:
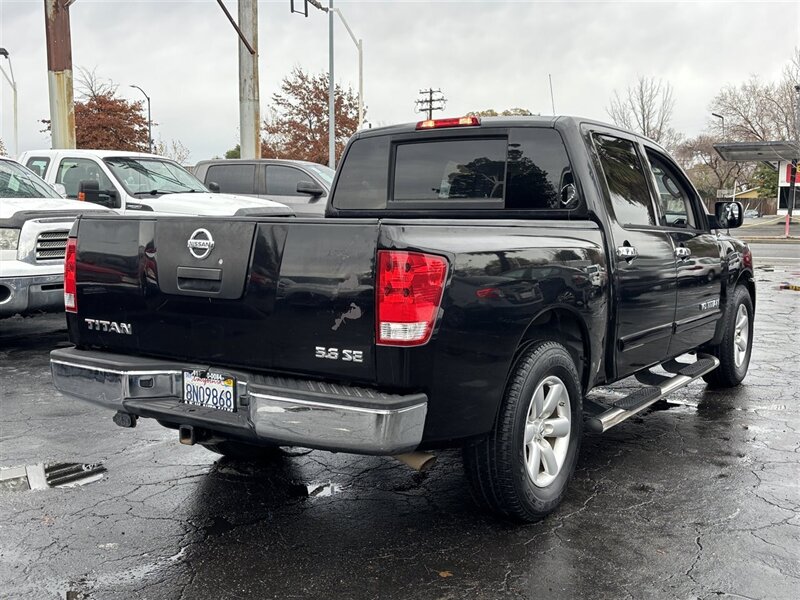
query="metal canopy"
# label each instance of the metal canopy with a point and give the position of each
(758, 151)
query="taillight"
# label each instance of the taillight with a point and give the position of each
(747, 257)
(70, 286)
(409, 291)
(454, 122)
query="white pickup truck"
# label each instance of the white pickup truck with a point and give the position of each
(34, 226)
(136, 181)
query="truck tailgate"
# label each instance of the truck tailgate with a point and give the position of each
(282, 295)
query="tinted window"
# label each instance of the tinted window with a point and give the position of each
(72, 171)
(282, 181)
(674, 199)
(464, 169)
(364, 175)
(626, 181)
(538, 170)
(38, 164)
(233, 178)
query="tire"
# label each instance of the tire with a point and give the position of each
(733, 360)
(241, 451)
(497, 465)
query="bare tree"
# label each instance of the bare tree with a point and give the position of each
(760, 111)
(175, 149)
(646, 107)
(91, 85)
(706, 168)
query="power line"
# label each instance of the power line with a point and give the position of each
(429, 102)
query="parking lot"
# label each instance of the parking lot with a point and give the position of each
(699, 498)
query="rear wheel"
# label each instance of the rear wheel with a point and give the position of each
(242, 451)
(734, 350)
(522, 468)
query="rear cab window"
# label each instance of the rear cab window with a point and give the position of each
(517, 168)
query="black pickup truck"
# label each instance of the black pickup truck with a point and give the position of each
(471, 282)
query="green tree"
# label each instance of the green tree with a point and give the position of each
(2, 148)
(765, 178)
(235, 152)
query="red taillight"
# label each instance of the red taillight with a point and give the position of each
(409, 291)
(455, 122)
(70, 287)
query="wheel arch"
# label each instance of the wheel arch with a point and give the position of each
(566, 326)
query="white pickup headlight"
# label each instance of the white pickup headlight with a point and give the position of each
(9, 238)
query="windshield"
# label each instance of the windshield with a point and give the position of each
(153, 176)
(18, 182)
(324, 173)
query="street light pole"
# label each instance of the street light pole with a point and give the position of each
(360, 47)
(331, 92)
(149, 120)
(12, 82)
(723, 124)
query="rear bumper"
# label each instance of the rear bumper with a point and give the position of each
(275, 410)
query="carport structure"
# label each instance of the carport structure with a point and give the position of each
(768, 152)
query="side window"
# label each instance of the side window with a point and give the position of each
(539, 174)
(673, 197)
(233, 178)
(38, 164)
(627, 184)
(72, 171)
(282, 181)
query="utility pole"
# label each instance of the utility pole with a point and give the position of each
(429, 103)
(13, 83)
(331, 93)
(249, 101)
(149, 121)
(59, 72)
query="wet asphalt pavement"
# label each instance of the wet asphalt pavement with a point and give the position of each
(698, 499)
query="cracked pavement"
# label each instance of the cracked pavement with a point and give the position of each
(699, 498)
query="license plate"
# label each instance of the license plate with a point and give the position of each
(211, 390)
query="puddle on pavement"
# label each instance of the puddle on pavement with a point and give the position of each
(43, 476)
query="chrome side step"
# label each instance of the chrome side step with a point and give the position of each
(657, 386)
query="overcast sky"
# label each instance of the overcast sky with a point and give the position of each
(481, 54)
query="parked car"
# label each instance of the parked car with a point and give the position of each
(136, 181)
(302, 185)
(34, 224)
(447, 299)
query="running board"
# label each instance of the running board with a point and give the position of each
(658, 386)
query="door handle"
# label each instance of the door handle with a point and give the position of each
(682, 252)
(627, 252)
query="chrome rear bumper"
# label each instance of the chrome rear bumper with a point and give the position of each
(269, 409)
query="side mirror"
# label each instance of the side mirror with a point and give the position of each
(727, 215)
(310, 188)
(213, 186)
(60, 189)
(89, 191)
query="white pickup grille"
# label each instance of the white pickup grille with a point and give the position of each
(51, 245)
